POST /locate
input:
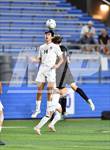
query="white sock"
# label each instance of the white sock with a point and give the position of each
(38, 104)
(56, 118)
(42, 122)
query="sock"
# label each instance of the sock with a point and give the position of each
(43, 121)
(56, 118)
(82, 94)
(38, 104)
(62, 102)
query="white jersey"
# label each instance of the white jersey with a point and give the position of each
(49, 53)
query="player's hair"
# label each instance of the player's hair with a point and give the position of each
(50, 31)
(57, 39)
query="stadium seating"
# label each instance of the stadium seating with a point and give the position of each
(23, 22)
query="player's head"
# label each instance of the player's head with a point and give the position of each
(90, 23)
(103, 32)
(57, 39)
(49, 35)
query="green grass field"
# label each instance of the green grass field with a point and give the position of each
(81, 134)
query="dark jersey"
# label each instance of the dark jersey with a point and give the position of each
(63, 73)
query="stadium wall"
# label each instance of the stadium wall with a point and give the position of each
(19, 102)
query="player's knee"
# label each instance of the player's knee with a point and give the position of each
(48, 114)
(50, 90)
(40, 89)
(74, 86)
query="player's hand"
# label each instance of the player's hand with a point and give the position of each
(55, 67)
(33, 59)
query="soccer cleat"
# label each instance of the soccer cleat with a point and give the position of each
(91, 104)
(2, 143)
(37, 130)
(34, 115)
(52, 128)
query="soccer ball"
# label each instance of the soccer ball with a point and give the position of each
(51, 23)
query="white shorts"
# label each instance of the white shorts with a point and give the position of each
(46, 74)
(1, 106)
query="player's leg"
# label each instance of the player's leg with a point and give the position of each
(1, 121)
(51, 107)
(59, 108)
(50, 89)
(40, 83)
(51, 79)
(62, 100)
(38, 100)
(49, 111)
(56, 118)
(83, 95)
(42, 122)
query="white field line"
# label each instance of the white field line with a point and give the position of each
(74, 146)
(106, 131)
(23, 127)
(15, 127)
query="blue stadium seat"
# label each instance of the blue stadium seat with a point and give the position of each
(27, 19)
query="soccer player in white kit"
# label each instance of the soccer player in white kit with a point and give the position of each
(1, 114)
(48, 54)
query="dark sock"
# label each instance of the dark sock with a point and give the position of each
(62, 102)
(82, 94)
(52, 117)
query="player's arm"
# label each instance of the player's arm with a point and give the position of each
(0, 87)
(59, 63)
(35, 59)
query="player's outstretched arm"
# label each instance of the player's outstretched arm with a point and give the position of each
(34, 59)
